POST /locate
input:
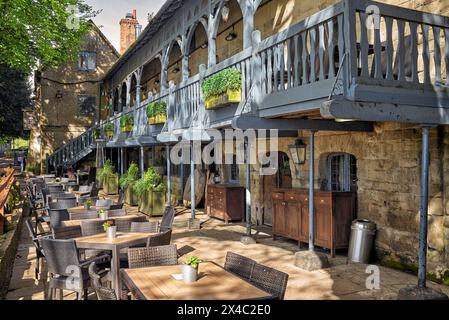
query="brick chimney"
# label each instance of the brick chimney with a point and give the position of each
(128, 30)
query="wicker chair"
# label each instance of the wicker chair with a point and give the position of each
(117, 213)
(124, 224)
(160, 239)
(35, 237)
(68, 232)
(103, 204)
(145, 227)
(103, 293)
(167, 219)
(64, 264)
(63, 203)
(270, 280)
(239, 265)
(92, 227)
(57, 216)
(153, 256)
(83, 215)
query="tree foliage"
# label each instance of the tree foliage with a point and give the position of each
(41, 33)
(14, 97)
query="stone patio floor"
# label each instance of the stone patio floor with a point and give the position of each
(215, 238)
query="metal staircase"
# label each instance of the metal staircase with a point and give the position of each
(73, 151)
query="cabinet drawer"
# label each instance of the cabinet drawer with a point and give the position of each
(292, 196)
(277, 196)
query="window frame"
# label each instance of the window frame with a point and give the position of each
(347, 184)
(86, 55)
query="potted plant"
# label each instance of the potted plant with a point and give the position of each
(88, 204)
(110, 229)
(151, 192)
(190, 269)
(109, 130)
(127, 182)
(108, 178)
(96, 133)
(157, 112)
(159, 165)
(222, 88)
(127, 123)
(102, 214)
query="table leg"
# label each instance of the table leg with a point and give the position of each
(115, 270)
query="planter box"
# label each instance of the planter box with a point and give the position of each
(152, 203)
(99, 181)
(157, 119)
(131, 197)
(231, 96)
(109, 134)
(127, 129)
(110, 185)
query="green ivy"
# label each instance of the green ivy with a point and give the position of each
(151, 181)
(221, 82)
(156, 108)
(130, 177)
(126, 120)
(107, 170)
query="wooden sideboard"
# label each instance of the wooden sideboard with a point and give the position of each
(334, 213)
(225, 202)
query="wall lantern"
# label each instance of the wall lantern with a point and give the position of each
(58, 94)
(298, 151)
(232, 35)
(225, 13)
(204, 45)
(156, 82)
(176, 69)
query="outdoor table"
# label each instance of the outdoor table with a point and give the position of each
(80, 193)
(81, 209)
(122, 241)
(214, 283)
(77, 222)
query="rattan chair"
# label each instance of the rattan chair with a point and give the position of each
(144, 227)
(102, 292)
(92, 227)
(124, 224)
(83, 215)
(239, 265)
(160, 239)
(35, 237)
(153, 256)
(63, 203)
(67, 232)
(116, 213)
(57, 216)
(103, 204)
(66, 270)
(167, 219)
(270, 280)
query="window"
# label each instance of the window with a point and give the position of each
(342, 172)
(233, 171)
(87, 61)
(86, 105)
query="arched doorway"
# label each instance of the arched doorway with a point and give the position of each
(230, 33)
(123, 97)
(115, 101)
(174, 64)
(281, 179)
(133, 90)
(151, 78)
(197, 49)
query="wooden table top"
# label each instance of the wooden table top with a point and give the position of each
(214, 283)
(102, 242)
(72, 223)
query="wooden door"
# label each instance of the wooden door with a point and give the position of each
(293, 216)
(282, 179)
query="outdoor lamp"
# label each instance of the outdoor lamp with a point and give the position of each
(232, 35)
(58, 94)
(225, 13)
(204, 45)
(298, 151)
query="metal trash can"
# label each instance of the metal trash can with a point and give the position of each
(361, 242)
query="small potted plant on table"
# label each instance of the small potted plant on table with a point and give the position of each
(190, 269)
(110, 229)
(102, 214)
(88, 204)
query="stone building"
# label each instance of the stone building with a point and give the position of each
(368, 79)
(67, 99)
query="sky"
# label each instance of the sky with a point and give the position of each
(114, 10)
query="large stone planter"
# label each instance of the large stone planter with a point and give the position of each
(110, 184)
(99, 181)
(131, 197)
(152, 203)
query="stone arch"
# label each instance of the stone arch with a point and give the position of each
(123, 92)
(115, 100)
(133, 89)
(196, 46)
(173, 62)
(150, 81)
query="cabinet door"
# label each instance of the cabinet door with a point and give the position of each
(278, 217)
(292, 219)
(304, 223)
(323, 221)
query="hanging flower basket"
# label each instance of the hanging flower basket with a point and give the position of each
(222, 88)
(157, 112)
(109, 130)
(127, 123)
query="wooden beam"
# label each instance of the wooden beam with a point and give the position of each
(252, 122)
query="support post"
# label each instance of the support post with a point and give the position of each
(312, 192)
(192, 180)
(422, 256)
(142, 167)
(168, 176)
(122, 161)
(248, 189)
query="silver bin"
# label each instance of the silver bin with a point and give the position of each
(361, 242)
